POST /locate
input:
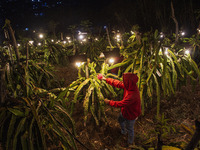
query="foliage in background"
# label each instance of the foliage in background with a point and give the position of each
(32, 117)
(161, 65)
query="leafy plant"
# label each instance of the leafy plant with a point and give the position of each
(28, 125)
(161, 132)
(162, 127)
(40, 120)
(94, 92)
(162, 67)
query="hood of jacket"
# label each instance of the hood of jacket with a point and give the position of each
(130, 80)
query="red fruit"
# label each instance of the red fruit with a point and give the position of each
(99, 76)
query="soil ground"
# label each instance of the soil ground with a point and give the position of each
(180, 110)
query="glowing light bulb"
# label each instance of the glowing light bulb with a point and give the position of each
(118, 36)
(39, 44)
(132, 32)
(81, 37)
(31, 42)
(161, 35)
(84, 40)
(182, 33)
(102, 55)
(111, 60)
(187, 52)
(78, 64)
(41, 36)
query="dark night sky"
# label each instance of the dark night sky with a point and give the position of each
(120, 13)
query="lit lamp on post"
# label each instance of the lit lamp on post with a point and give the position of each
(82, 36)
(41, 36)
(78, 61)
(78, 65)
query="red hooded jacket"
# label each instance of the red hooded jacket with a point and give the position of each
(131, 103)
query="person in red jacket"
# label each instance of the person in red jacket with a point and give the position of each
(130, 104)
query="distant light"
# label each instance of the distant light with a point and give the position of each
(69, 41)
(68, 37)
(78, 64)
(104, 27)
(26, 29)
(161, 35)
(64, 42)
(132, 32)
(118, 37)
(31, 42)
(18, 44)
(166, 52)
(41, 36)
(81, 37)
(84, 40)
(96, 39)
(187, 52)
(182, 33)
(33, 31)
(52, 40)
(111, 60)
(102, 55)
(39, 44)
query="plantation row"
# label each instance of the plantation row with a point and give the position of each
(36, 109)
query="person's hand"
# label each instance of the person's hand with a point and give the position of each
(104, 78)
(106, 101)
